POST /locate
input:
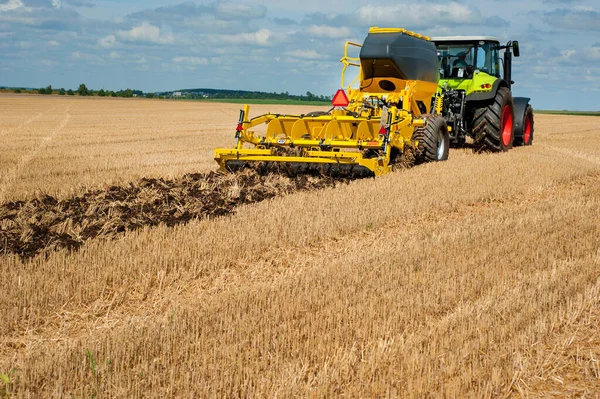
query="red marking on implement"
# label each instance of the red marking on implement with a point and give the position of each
(340, 99)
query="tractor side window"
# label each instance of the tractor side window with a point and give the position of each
(487, 58)
(484, 58)
(495, 64)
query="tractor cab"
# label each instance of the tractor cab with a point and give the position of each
(468, 63)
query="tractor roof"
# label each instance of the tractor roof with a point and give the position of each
(465, 39)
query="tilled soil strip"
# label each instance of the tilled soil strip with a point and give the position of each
(46, 224)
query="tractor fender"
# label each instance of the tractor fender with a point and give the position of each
(520, 107)
(487, 95)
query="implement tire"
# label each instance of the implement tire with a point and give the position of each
(433, 140)
(527, 137)
(493, 125)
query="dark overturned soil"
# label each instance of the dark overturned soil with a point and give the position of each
(46, 224)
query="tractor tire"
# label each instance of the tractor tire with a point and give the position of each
(527, 137)
(493, 125)
(433, 140)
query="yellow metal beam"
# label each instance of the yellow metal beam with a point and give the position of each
(376, 29)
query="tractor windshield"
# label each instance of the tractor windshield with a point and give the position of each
(456, 61)
(460, 60)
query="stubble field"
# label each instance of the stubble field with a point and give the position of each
(475, 277)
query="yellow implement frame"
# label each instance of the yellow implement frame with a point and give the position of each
(368, 133)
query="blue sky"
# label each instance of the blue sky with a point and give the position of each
(280, 46)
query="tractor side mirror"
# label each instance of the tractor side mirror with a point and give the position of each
(515, 46)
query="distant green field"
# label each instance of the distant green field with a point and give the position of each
(564, 112)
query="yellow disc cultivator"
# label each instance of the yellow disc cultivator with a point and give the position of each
(369, 128)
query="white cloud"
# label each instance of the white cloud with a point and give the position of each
(146, 33)
(329, 31)
(570, 65)
(11, 5)
(54, 43)
(566, 56)
(108, 41)
(593, 54)
(207, 23)
(56, 3)
(577, 19)
(46, 63)
(305, 54)
(260, 38)
(231, 10)
(89, 58)
(417, 14)
(589, 55)
(190, 60)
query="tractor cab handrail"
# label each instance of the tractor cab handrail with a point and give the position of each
(349, 61)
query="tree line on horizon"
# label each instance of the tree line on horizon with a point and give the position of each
(83, 90)
(254, 95)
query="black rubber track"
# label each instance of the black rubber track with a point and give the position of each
(519, 141)
(487, 120)
(428, 138)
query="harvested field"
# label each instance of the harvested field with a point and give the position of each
(476, 277)
(65, 146)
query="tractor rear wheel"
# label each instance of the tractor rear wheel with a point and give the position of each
(433, 140)
(493, 125)
(527, 137)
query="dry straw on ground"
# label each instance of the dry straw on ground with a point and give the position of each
(477, 277)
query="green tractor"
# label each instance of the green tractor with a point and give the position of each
(475, 95)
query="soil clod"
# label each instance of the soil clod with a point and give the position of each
(44, 224)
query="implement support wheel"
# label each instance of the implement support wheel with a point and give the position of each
(433, 140)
